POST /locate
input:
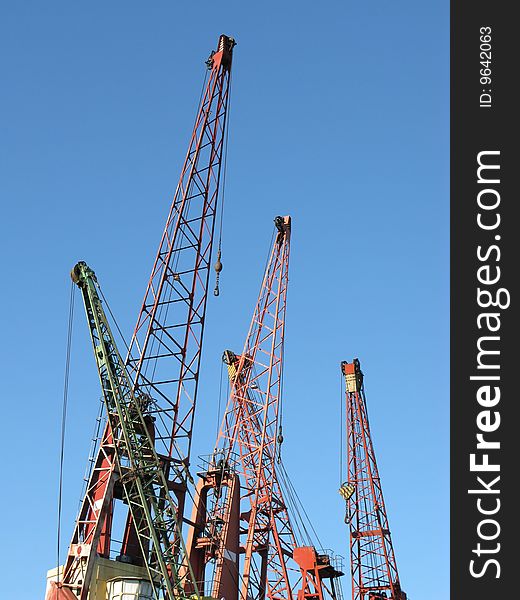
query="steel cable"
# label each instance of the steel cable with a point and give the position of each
(63, 424)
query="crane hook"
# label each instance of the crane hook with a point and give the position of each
(218, 269)
(279, 439)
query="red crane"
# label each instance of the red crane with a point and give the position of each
(250, 428)
(165, 351)
(241, 518)
(373, 564)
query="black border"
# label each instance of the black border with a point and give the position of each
(475, 129)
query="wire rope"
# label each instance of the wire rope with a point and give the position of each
(293, 489)
(219, 398)
(113, 318)
(63, 424)
(341, 430)
(225, 162)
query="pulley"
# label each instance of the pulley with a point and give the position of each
(279, 439)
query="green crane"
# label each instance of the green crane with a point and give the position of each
(140, 471)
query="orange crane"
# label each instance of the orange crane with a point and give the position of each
(373, 565)
(164, 357)
(241, 518)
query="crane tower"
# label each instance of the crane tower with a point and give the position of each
(163, 361)
(241, 517)
(373, 564)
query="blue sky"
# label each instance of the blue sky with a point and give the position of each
(339, 117)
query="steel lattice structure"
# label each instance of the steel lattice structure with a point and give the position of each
(139, 471)
(246, 453)
(373, 564)
(249, 432)
(250, 428)
(164, 357)
(165, 351)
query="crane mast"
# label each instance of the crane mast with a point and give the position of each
(165, 352)
(373, 564)
(247, 515)
(139, 470)
(247, 446)
(250, 428)
(161, 348)
(163, 362)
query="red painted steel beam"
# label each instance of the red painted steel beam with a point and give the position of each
(248, 441)
(165, 351)
(373, 563)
